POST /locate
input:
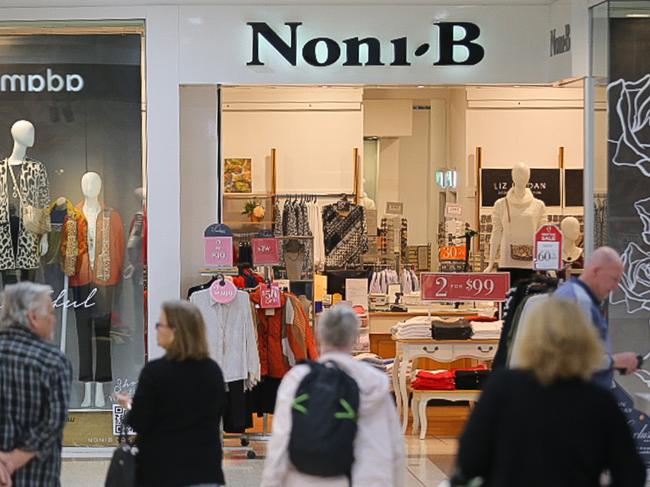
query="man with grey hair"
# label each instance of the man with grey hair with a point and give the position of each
(35, 382)
(379, 459)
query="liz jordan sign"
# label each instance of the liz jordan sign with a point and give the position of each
(49, 81)
(451, 37)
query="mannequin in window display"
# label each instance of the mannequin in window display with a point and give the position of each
(571, 254)
(98, 272)
(136, 253)
(515, 219)
(22, 181)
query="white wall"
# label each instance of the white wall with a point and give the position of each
(199, 178)
(313, 129)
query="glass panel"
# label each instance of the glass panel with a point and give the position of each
(71, 112)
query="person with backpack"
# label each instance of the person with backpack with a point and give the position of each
(335, 423)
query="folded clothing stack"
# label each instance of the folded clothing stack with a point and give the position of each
(486, 330)
(470, 379)
(449, 380)
(372, 359)
(413, 328)
(451, 329)
(441, 380)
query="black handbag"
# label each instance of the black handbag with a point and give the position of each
(122, 470)
(460, 331)
(471, 380)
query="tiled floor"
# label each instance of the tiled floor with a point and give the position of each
(425, 466)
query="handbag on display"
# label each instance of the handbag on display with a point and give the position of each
(122, 470)
(470, 380)
(460, 330)
(521, 252)
(35, 220)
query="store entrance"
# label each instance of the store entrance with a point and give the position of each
(367, 187)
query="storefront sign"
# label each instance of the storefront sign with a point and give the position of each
(544, 184)
(560, 43)
(548, 249)
(223, 292)
(573, 187)
(464, 286)
(266, 251)
(450, 39)
(452, 252)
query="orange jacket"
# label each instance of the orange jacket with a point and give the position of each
(301, 337)
(116, 248)
(273, 363)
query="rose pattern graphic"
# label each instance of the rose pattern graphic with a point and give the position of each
(631, 131)
(634, 288)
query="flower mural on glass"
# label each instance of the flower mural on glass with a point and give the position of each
(630, 131)
(634, 289)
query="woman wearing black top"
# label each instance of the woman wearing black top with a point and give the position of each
(546, 425)
(178, 405)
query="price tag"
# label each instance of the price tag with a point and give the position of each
(217, 251)
(464, 286)
(223, 293)
(266, 251)
(453, 210)
(452, 252)
(270, 297)
(548, 248)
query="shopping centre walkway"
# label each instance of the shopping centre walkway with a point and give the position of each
(427, 464)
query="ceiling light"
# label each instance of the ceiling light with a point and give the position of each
(637, 16)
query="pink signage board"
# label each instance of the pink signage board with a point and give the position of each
(266, 251)
(223, 292)
(270, 297)
(217, 251)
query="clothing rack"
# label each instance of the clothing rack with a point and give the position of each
(315, 195)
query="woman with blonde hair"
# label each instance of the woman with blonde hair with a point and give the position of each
(178, 405)
(546, 424)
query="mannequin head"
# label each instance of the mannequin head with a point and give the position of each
(570, 227)
(23, 133)
(91, 185)
(520, 175)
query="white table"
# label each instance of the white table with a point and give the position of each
(421, 399)
(438, 350)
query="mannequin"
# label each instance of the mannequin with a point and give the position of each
(99, 270)
(515, 219)
(571, 253)
(31, 185)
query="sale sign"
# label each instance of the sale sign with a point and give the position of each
(452, 252)
(270, 297)
(217, 251)
(266, 251)
(548, 248)
(464, 286)
(223, 292)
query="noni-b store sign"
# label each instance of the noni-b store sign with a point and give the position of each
(363, 44)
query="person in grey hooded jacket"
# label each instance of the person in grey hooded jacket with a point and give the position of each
(379, 444)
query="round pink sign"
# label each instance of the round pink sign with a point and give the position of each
(223, 293)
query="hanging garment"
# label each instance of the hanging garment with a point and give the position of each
(273, 362)
(33, 186)
(231, 336)
(316, 226)
(301, 333)
(109, 251)
(346, 237)
(68, 237)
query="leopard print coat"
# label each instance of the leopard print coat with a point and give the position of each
(35, 190)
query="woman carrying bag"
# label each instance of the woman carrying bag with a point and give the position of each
(547, 424)
(177, 407)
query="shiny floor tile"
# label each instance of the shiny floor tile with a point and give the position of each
(421, 467)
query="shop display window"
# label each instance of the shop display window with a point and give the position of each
(73, 192)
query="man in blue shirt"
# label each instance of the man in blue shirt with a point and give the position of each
(601, 275)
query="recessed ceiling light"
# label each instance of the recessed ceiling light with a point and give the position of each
(420, 86)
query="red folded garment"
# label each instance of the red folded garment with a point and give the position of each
(422, 385)
(482, 319)
(440, 375)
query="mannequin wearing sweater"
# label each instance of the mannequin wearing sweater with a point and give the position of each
(515, 219)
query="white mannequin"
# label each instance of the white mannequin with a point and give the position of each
(570, 227)
(91, 186)
(527, 214)
(366, 201)
(23, 134)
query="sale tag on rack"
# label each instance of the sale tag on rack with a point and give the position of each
(464, 286)
(217, 251)
(548, 249)
(452, 252)
(223, 292)
(266, 251)
(270, 297)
